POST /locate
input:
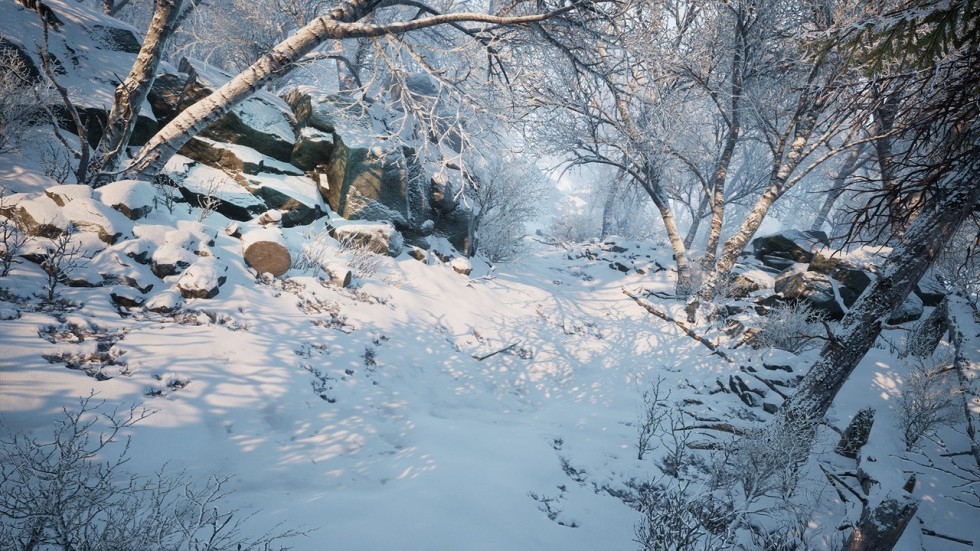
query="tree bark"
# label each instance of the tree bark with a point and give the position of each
(684, 279)
(132, 92)
(861, 325)
(339, 23)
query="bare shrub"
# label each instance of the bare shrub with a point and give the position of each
(360, 258)
(927, 401)
(652, 413)
(62, 257)
(12, 240)
(674, 518)
(55, 162)
(208, 202)
(167, 192)
(20, 107)
(69, 491)
(315, 254)
(792, 326)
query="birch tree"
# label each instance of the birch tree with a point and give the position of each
(344, 21)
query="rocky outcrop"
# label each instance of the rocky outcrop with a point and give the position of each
(815, 289)
(782, 249)
(133, 198)
(62, 195)
(853, 278)
(910, 310)
(374, 237)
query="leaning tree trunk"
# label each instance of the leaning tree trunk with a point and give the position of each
(850, 166)
(684, 279)
(131, 94)
(901, 271)
(339, 23)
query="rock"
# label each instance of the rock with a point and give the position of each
(856, 434)
(201, 280)
(233, 230)
(853, 278)
(62, 195)
(133, 198)
(270, 218)
(930, 290)
(164, 303)
(40, 217)
(461, 265)
(741, 286)
(778, 264)
(313, 148)
(375, 237)
(179, 250)
(619, 266)
(791, 245)
(910, 310)
(418, 253)
(318, 110)
(812, 288)
(127, 297)
(116, 39)
(770, 408)
(265, 251)
(340, 276)
(235, 158)
(880, 527)
(87, 215)
(263, 122)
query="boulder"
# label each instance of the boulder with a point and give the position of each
(88, 215)
(853, 278)
(741, 286)
(262, 122)
(201, 280)
(910, 310)
(234, 158)
(179, 250)
(312, 149)
(127, 297)
(62, 195)
(133, 198)
(790, 245)
(265, 251)
(164, 303)
(815, 289)
(461, 265)
(930, 290)
(40, 217)
(375, 237)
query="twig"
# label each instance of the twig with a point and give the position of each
(935, 534)
(504, 349)
(649, 307)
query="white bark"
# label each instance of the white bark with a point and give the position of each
(340, 23)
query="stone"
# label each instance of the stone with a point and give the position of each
(812, 288)
(164, 303)
(88, 215)
(776, 263)
(179, 250)
(741, 286)
(791, 245)
(133, 198)
(201, 280)
(910, 310)
(853, 278)
(418, 253)
(40, 217)
(313, 148)
(375, 237)
(930, 290)
(340, 276)
(265, 251)
(856, 434)
(116, 39)
(62, 195)
(127, 297)
(461, 266)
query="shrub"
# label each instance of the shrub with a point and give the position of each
(69, 492)
(791, 326)
(926, 402)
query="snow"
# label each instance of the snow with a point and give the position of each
(134, 194)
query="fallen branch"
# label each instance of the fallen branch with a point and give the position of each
(650, 307)
(504, 349)
(933, 533)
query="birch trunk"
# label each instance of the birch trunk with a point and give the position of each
(850, 165)
(131, 94)
(339, 23)
(860, 327)
(692, 232)
(684, 279)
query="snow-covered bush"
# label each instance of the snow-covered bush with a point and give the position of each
(652, 413)
(792, 326)
(927, 401)
(506, 196)
(20, 107)
(69, 491)
(12, 240)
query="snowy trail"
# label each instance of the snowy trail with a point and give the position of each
(420, 446)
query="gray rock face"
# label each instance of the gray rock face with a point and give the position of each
(910, 310)
(789, 245)
(853, 279)
(812, 288)
(373, 237)
(930, 290)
